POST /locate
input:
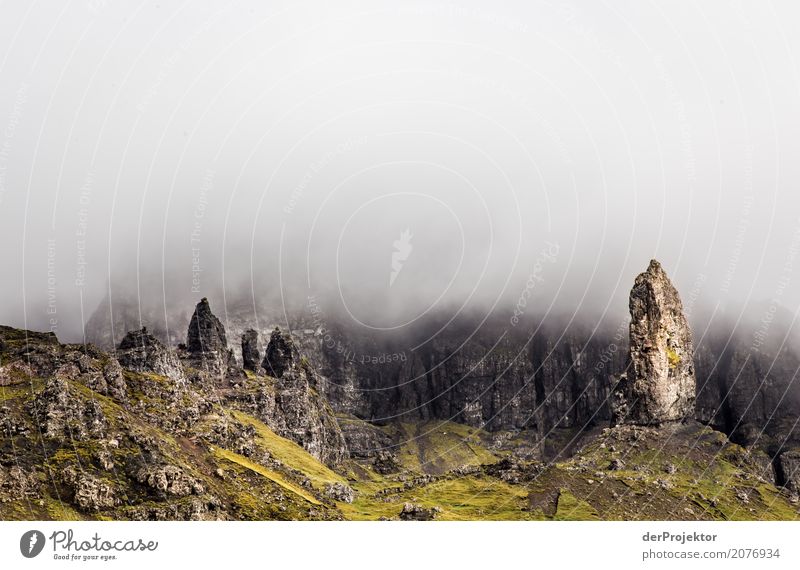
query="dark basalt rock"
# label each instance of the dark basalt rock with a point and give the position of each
(787, 470)
(63, 416)
(207, 345)
(250, 354)
(280, 355)
(142, 352)
(414, 512)
(206, 336)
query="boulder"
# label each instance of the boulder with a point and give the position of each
(340, 492)
(90, 493)
(169, 480)
(414, 512)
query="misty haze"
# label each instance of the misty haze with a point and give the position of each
(400, 243)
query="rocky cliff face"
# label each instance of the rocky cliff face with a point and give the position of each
(537, 385)
(525, 384)
(102, 443)
(153, 433)
(660, 384)
(289, 401)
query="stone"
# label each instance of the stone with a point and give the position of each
(414, 512)
(279, 356)
(14, 482)
(660, 384)
(788, 470)
(115, 380)
(89, 492)
(62, 414)
(169, 479)
(140, 351)
(206, 338)
(250, 354)
(340, 492)
(15, 373)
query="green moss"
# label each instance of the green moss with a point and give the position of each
(571, 508)
(673, 357)
(438, 447)
(273, 476)
(459, 498)
(110, 408)
(291, 454)
(23, 391)
(61, 511)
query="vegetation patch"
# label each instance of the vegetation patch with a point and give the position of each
(571, 508)
(273, 476)
(291, 454)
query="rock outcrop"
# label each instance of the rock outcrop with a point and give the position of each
(250, 354)
(207, 345)
(562, 378)
(415, 512)
(340, 492)
(63, 416)
(660, 383)
(294, 408)
(88, 492)
(280, 355)
(206, 335)
(140, 351)
(787, 469)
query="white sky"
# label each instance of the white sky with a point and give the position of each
(314, 133)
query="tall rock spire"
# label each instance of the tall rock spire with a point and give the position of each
(206, 333)
(660, 384)
(206, 342)
(250, 354)
(280, 354)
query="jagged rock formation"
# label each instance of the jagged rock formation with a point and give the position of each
(206, 336)
(250, 354)
(746, 393)
(292, 405)
(63, 416)
(100, 443)
(207, 347)
(306, 417)
(279, 356)
(142, 352)
(535, 395)
(660, 385)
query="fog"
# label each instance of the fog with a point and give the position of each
(397, 158)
